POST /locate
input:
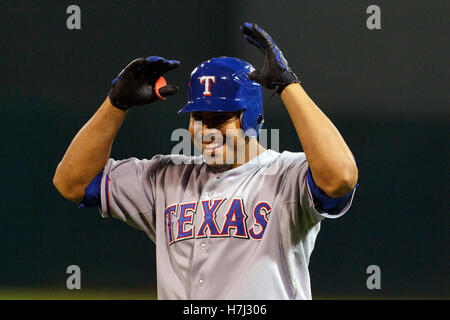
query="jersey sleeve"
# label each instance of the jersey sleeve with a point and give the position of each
(300, 187)
(127, 192)
(324, 203)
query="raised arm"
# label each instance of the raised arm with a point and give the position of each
(330, 160)
(89, 151)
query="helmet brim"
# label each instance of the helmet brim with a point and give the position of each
(213, 105)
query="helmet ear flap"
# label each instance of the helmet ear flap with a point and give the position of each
(248, 124)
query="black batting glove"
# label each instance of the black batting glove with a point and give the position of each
(275, 73)
(135, 85)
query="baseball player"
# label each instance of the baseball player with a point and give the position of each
(224, 227)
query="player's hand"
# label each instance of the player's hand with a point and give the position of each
(135, 85)
(275, 73)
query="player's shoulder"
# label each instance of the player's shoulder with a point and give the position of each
(177, 159)
(275, 161)
(157, 161)
(287, 157)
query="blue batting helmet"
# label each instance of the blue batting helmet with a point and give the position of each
(222, 85)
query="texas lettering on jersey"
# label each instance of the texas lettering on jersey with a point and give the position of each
(234, 220)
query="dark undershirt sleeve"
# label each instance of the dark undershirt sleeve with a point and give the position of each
(92, 193)
(323, 202)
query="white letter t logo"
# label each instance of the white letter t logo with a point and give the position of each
(207, 81)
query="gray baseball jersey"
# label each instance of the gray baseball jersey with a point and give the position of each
(245, 233)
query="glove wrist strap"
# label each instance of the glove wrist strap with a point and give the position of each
(116, 103)
(283, 80)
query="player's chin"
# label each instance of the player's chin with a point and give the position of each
(215, 156)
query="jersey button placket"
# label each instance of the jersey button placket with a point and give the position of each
(200, 256)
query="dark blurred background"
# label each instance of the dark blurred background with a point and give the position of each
(387, 91)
